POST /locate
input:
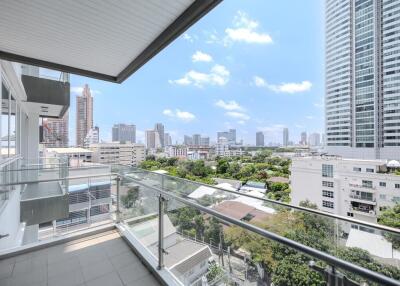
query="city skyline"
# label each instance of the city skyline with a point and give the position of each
(265, 90)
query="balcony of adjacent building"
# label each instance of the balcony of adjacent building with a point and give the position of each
(127, 226)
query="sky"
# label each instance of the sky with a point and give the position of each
(253, 65)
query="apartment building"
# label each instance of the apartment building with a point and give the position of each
(224, 149)
(176, 151)
(55, 132)
(260, 139)
(92, 137)
(152, 139)
(84, 115)
(362, 79)
(348, 187)
(124, 133)
(131, 154)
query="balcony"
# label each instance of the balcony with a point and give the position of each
(180, 240)
(50, 97)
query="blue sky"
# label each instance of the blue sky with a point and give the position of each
(253, 65)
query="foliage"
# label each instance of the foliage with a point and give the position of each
(279, 191)
(293, 270)
(364, 259)
(129, 200)
(214, 271)
(391, 217)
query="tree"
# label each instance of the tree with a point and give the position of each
(129, 200)
(293, 270)
(222, 166)
(199, 225)
(364, 259)
(391, 217)
(214, 271)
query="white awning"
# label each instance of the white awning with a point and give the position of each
(104, 39)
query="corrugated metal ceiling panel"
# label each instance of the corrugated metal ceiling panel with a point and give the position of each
(102, 37)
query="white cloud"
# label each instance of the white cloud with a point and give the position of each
(188, 37)
(238, 115)
(182, 115)
(244, 30)
(201, 57)
(290, 87)
(310, 117)
(259, 81)
(229, 105)
(168, 112)
(218, 75)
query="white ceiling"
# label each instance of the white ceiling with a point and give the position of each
(102, 36)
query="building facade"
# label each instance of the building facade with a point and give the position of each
(348, 187)
(152, 139)
(130, 154)
(314, 139)
(362, 79)
(124, 133)
(55, 132)
(84, 115)
(92, 137)
(285, 139)
(259, 139)
(229, 135)
(159, 128)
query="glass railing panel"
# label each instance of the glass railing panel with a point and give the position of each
(334, 236)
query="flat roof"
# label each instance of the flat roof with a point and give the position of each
(69, 150)
(107, 40)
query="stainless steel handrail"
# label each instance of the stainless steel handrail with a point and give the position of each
(69, 168)
(318, 212)
(331, 260)
(59, 179)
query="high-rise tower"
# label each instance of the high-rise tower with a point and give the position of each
(362, 71)
(84, 115)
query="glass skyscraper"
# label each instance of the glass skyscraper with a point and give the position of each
(362, 74)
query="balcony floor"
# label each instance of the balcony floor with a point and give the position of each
(97, 260)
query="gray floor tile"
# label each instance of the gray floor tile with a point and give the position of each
(95, 270)
(127, 258)
(67, 279)
(132, 272)
(148, 280)
(106, 280)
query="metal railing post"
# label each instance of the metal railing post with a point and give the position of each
(160, 232)
(118, 211)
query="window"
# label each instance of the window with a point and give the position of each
(367, 184)
(382, 197)
(327, 194)
(327, 170)
(350, 214)
(356, 169)
(327, 184)
(369, 170)
(327, 204)
(397, 186)
(382, 184)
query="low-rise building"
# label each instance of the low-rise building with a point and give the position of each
(176, 151)
(131, 154)
(348, 187)
(76, 156)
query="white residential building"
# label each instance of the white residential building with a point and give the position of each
(92, 137)
(176, 151)
(224, 149)
(348, 187)
(117, 153)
